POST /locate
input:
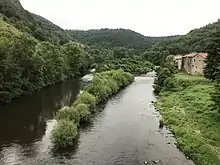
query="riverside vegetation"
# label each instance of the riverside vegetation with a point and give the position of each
(28, 65)
(134, 66)
(103, 85)
(187, 106)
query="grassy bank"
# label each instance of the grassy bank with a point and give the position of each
(103, 86)
(190, 115)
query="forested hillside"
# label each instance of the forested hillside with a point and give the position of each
(27, 65)
(35, 53)
(197, 40)
(37, 26)
(111, 38)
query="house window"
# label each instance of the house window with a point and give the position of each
(192, 65)
(196, 66)
(194, 60)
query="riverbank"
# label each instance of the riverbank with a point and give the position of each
(103, 86)
(189, 114)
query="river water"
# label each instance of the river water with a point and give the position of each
(125, 132)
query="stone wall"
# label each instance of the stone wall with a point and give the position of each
(194, 65)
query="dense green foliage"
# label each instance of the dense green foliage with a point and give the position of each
(103, 85)
(190, 115)
(27, 65)
(198, 40)
(64, 133)
(164, 81)
(35, 25)
(134, 66)
(216, 93)
(111, 38)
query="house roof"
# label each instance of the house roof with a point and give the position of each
(178, 57)
(191, 54)
(203, 55)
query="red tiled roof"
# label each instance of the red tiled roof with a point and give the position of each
(203, 55)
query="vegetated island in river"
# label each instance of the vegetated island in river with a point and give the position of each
(103, 85)
(187, 108)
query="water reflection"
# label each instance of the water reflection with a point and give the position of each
(25, 120)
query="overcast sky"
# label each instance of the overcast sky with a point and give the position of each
(149, 17)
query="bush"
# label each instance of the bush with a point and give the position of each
(71, 114)
(64, 134)
(169, 84)
(112, 85)
(86, 98)
(98, 89)
(84, 112)
(164, 80)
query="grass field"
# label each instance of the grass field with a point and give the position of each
(190, 115)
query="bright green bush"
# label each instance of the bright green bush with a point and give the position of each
(84, 112)
(64, 134)
(86, 98)
(112, 85)
(98, 88)
(69, 113)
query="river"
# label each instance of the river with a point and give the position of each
(125, 132)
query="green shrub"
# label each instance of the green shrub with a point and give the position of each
(86, 98)
(164, 80)
(69, 113)
(98, 89)
(112, 85)
(84, 112)
(169, 84)
(64, 134)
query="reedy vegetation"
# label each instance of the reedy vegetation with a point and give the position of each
(103, 86)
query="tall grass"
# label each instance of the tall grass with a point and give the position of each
(190, 115)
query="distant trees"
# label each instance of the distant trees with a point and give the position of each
(134, 66)
(198, 40)
(116, 38)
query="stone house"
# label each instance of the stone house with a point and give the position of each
(178, 61)
(194, 63)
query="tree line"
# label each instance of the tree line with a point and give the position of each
(198, 40)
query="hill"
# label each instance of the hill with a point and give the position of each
(39, 27)
(110, 38)
(197, 40)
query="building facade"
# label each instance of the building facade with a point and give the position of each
(178, 61)
(194, 63)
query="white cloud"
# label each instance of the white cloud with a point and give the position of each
(149, 17)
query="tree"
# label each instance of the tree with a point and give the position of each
(76, 58)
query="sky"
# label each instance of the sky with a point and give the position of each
(148, 17)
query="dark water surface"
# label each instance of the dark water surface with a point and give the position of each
(126, 132)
